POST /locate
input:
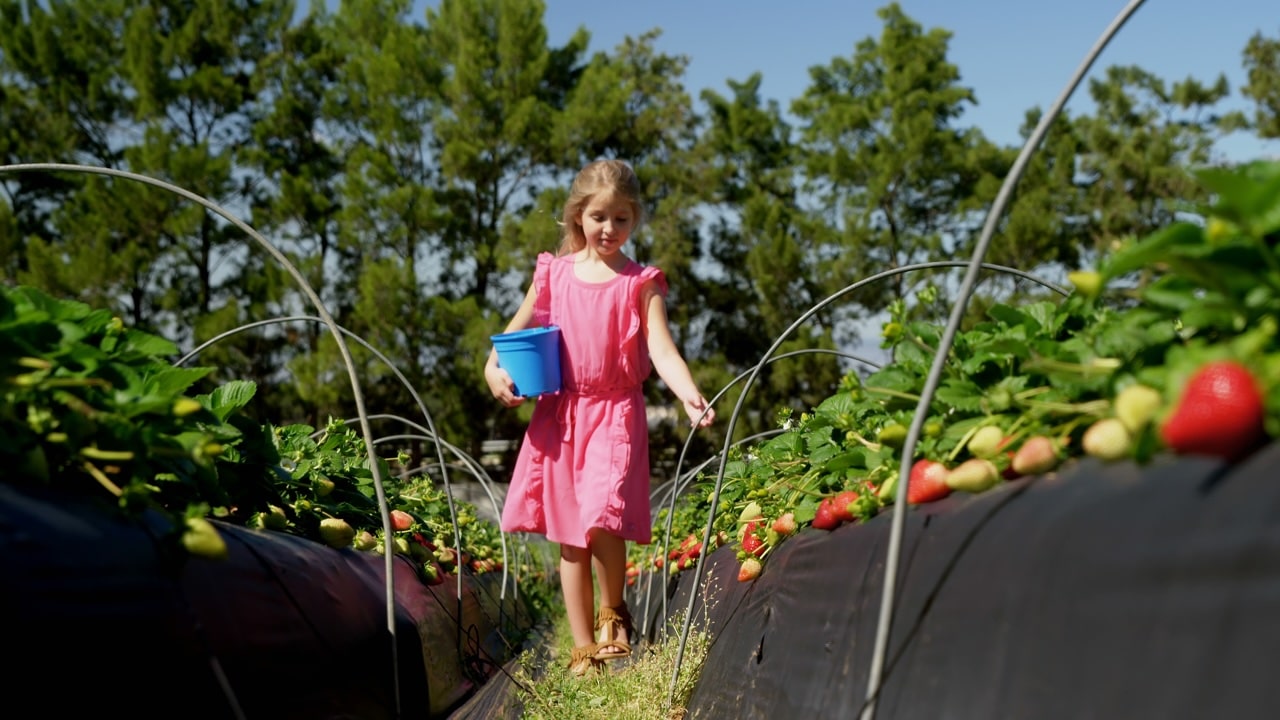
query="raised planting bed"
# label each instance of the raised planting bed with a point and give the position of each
(1102, 591)
(97, 621)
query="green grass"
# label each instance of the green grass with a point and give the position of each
(637, 690)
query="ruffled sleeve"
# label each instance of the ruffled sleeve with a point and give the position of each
(635, 356)
(652, 273)
(542, 283)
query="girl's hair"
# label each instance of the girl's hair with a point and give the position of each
(602, 176)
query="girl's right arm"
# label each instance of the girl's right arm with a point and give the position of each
(500, 382)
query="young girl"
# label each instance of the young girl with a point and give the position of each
(582, 475)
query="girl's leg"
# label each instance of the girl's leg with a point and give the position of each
(609, 557)
(579, 596)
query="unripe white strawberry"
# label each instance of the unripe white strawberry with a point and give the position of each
(986, 441)
(974, 476)
(1108, 439)
(1136, 405)
(336, 532)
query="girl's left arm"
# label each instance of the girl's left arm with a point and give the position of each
(667, 359)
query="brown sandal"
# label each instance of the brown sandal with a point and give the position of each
(582, 660)
(608, 623)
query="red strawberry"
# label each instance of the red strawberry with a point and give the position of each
(751, 543)
(749, 570)
(1038, 455)
(785, 524)
(927, 482)
(825, 517)
(840, 505)
(1220, 413)
(401, 520)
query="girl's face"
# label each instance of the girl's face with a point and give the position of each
(606, 223)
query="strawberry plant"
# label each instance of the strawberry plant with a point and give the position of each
(91, 407)
(1168, 345)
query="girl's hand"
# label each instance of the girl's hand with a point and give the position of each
(694, 408)
(502, 386)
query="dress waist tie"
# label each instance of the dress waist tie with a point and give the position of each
(567, 407)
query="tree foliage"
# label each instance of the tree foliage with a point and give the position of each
(409, 169)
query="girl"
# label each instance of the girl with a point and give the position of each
(582, 475)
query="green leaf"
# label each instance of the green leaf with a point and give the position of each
(1152, 250)
(172, 382)
(229, 398)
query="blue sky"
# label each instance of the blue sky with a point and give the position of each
(1014, 54)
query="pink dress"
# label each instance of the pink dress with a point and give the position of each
(584, 462)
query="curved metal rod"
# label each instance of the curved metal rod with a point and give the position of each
(737, 410)
(711, 403)
(477, 471)
(678, 489)
(422, 407)
(306, 288)
(875, 675)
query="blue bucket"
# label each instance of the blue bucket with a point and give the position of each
(532, 358)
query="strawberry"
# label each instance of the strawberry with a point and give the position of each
(751, 512)
(987, 441)
(1220, 413)
(432, 574)
(274, 518)
(825, 517)
(927, 482)
(365, 540)
(1037, 455)
(336, 532)
(401, 520)
(749, 570)
(1088, 282)
(1136, 405)
(974, 475)
(751, 543)
(200, 537)
(1107, 439)
(840, 505)
(785, 524)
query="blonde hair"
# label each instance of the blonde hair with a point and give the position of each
(601, 176)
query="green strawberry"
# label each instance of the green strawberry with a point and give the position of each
(974, 476)
(1088, 282)
(322, 486)
(336, 532)
(201, 538)
(274, 518)
(365, 540)
(1136, 405)
(1107, 439)
(986, 442)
